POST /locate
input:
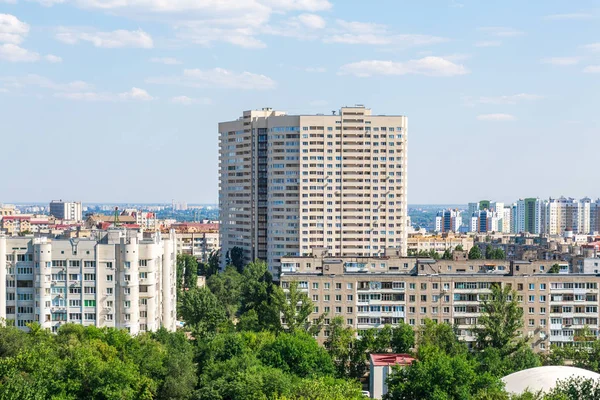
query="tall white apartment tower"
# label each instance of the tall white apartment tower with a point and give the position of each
(66, 210)
(293, 183)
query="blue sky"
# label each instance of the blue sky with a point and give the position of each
(119, 100)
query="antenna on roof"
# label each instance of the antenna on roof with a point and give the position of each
(333, 112)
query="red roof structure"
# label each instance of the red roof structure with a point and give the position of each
(392, 359)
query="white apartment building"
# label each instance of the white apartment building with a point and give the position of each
(291, 183)
(66, 210)
(120, 279)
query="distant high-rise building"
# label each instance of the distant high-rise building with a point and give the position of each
(66, 210)
(448, 221)
(293, 183)
(529, 213)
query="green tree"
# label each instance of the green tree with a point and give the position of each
(499, 254)
(187, 271)
(489, 252)
(236, 257)
(257, 297)
(440, 376)
(459, 248)
(212, 266)
(325, 388)
(439, 336)
(475, 253)
(500, 321)
(338, 345)
(226, 286)
(575, 388)
(403, 338)
(297, 353)
(202, 310)
(554, 269)
(447, 255)
(295, 307)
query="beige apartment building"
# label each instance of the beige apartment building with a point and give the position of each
(290, 183)
(423, 242)
(371, 292)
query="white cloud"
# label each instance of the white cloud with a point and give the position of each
(13, 53)
(430, 66)
(351, 32)
(592, 69)
(509, 99)
(115, 39)
(315, 69)
(165, 60)
(488, 43)
(501, 31)
(592, 46)
(561, 60)
(312, 21)
(12, 30)
(136, 94)
(576, 16)
(188, 101)
(44, 83)
(133, 94)
(496, 117)
(53, 59)
(217, 77)
(299, 5)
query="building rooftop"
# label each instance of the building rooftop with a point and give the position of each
(391, 359)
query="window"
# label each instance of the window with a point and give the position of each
(74, 303)
(127, 304)
(109, 277)
(338, 297)
(143, 314)
(74, 263)
(127, 278)
(315, 297)
(109, 317)
(89, 290)
(349, 310)
(144, 302)
(338, 286)
(143, 275)
(74, 277)
(127, 317)
(89, 277)
(92, 264)
(531, 298)
(326, 285)
(423, 286)
(542, 286)
(109, 291)
(531, 322)
(338, 310)
(350, 297)
(315, 285)
(326, 297)
(89, 303)
(531, 286)
(349, 286)
(411, 286)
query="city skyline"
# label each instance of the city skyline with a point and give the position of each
(144, 86)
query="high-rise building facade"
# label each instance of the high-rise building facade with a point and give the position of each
(119, 279)
(448, 221)
(66, 210)
(529, 215)
(291, 183)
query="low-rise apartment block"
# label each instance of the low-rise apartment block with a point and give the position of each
(371, 292)
(119, 278)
